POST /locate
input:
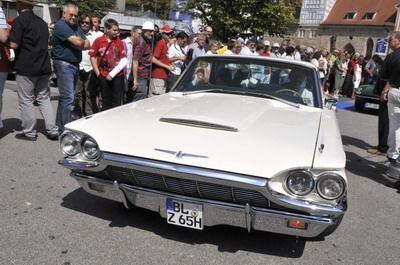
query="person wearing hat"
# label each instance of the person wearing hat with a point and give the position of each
(161, 63)
(68, 42)
(275, 50)
(141, 61)
(29, 37)
(266, 51)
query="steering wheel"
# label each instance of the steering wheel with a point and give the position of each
(287, 91)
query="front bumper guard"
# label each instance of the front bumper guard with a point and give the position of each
(214, 212)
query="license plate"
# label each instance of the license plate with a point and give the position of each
(372, 105)
(185, 214)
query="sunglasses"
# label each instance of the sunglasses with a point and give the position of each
(85, 22)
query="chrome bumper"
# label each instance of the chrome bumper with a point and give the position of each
(214, 212)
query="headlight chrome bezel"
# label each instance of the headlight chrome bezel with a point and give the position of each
(296, 193)
(76, 140)
(334, 176)
(85, 153)
(80, 140)
(317, 177)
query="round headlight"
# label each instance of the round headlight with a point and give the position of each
(70, 144)
(90, 149)
(330, 187)
(300, 183)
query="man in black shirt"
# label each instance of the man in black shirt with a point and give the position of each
(391, 92)
(29, 37)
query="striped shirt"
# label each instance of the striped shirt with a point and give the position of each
(142, 54)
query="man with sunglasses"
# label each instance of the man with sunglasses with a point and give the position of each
(161, 64)
(85, 96)
(68, 43)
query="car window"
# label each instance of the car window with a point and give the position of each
(291, 82)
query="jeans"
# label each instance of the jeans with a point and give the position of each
(142, 90)
(29, 89)
(67, 75)
(3, 78)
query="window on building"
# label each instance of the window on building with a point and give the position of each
(369, 16)
(350, 15)
(301, 33)
(313, 34)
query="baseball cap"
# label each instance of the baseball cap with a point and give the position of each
(148, 25)
(166, 29)
(267, 43)
(241, 40)
(276, 45)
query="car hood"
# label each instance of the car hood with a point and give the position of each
(242, 134)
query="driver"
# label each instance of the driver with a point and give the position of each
(298, 83)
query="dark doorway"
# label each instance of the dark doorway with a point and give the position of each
(370, 47)
(349, 48)
(333, 43)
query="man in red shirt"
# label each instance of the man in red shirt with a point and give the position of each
(161, 64)
(108, 59)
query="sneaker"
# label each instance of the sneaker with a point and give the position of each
(52, 136)
(23, 136)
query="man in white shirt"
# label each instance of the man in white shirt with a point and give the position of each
(177, 56)
(249, 49)
(128, 44)
(85, 99)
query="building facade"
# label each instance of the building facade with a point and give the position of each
(355, 26)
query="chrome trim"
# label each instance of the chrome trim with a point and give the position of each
(215, 177)
(179, 154)
(214, 212)
(200, 124)
(367, 97)
(74, 164)
(182, 171)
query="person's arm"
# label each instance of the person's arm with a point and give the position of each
(385, 91)
(118, 68)
(135, 66)
(161, 64)
(93, 58)
(16, 35)
(96, 70)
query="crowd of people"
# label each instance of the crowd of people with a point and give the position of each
(97, 70)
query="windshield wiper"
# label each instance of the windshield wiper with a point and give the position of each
(262, 95)
(248, 93)
(205, 91)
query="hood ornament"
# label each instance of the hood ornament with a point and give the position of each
(179, 154)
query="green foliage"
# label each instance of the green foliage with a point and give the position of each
(240, 16)
(162, 7)
(90, 7)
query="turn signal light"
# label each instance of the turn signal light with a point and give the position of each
(297, 224)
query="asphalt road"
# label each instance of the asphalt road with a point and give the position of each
(45, 218)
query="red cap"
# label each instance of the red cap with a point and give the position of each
(166, 29)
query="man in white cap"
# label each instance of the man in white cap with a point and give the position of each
(141, 62)
(275, 50)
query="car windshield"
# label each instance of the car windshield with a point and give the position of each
(283, 81)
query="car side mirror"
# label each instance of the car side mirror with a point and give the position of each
(330, 103)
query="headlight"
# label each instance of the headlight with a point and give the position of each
(70, 144)
(90, 149)
(300, 183)
(330, 186)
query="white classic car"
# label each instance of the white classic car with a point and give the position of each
(241, 141)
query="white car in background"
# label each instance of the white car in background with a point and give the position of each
(241, 141)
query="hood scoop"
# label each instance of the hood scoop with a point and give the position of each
(200, 124)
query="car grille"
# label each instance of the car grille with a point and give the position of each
(186, 187)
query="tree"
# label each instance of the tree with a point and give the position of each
(160, 7)
(90, 7)
(240, 16)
